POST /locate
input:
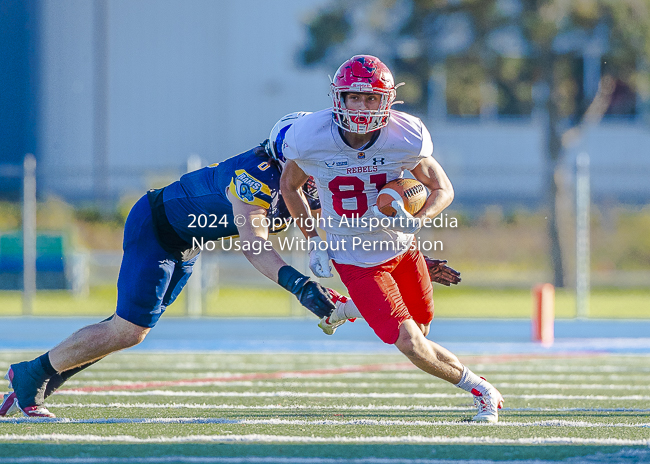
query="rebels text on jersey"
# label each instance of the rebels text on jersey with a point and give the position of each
(349, 180)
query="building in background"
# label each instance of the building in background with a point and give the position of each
(19, 106)
(113, 96)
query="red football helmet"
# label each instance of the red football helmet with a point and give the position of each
(362, 74)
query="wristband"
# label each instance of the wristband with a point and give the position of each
(291, 279)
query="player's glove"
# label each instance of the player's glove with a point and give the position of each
(403, 221)
(311, 295)
(441, 273)
(319, 260)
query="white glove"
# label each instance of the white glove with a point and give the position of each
(403, 221)
(319, 260)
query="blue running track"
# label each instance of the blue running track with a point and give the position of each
(462, 336)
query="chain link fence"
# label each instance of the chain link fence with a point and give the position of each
(495, 242)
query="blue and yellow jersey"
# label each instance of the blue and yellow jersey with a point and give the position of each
(197, 205)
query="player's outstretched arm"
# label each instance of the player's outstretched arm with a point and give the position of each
(291, 184)
(261, 254)
(267, 260)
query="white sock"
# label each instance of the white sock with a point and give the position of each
(348, 310)
(470, 381)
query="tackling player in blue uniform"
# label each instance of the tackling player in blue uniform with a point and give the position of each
(158, 259)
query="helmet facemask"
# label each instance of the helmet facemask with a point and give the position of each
(360, 121)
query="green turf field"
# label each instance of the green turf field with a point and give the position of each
(169, 407)
(450, 302)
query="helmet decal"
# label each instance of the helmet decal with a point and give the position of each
(279, 131)
(279, 141)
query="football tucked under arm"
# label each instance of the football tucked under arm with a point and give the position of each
(441, 273)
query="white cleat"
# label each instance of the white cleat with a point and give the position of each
(329, 324)
(488, 403)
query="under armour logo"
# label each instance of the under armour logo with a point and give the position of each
(376, 161)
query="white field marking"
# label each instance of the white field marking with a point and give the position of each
(269, 394)
(556, 368)
(569, 386)
(357, 385)
(255, 438)
(339, 407)
(180, 368)
(496, 375)
(94, 378)
(266, 383)
(582, 377)
(261, 407)
(581, 397)
(201, 367)
(147, 375)
(339, 395)
(331, 422)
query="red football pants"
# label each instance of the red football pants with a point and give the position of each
(390, 293)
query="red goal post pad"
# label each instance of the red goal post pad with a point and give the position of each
(543, 320)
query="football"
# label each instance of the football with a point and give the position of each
(411, 191)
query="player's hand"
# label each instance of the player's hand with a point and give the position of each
(441, 273)
(315, 298)
(403, 221)
(319, 260)
(311, 295)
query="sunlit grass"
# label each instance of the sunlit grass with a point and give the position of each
(270, 302)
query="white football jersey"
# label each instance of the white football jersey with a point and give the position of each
(349, 180)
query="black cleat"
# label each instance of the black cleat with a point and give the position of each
(29, 389)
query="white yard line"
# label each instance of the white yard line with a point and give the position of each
(537, 368)
(337, 395)
(356, 385)
(249, 394)
(332, 422)
(262, 407)
(58, 437)
(94, 375)
(145, 374)
(339, 407)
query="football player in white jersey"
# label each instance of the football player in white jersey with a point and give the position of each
(352, 150)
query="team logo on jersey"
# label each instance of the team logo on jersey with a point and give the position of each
(361, 155)
(336, 162)
(246, 185)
